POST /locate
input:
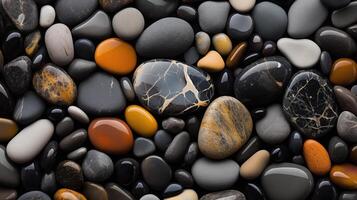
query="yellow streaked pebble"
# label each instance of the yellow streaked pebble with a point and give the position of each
(141, 121)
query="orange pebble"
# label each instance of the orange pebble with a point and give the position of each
(116, 56)
(343, 72)
(345, 176)
(67, 194)
(316, 157)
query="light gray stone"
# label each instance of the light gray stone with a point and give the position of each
(47, 16)
(212, 16)
(98, 26)
(347, 126)
(128, 23)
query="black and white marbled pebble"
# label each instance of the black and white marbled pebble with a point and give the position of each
(165, 38)
(184, 178)
(175, 152)
(324, 190)
(295, 142)
(128, 88)
(9, 176)
(213, 23)
(208, 173)
(191, 56)
(48, 183)
(253, 145)
(77, 154)
(239, 26)
(34, 195)
(80, 69)
(78, 114)
(191, 154)
(84, 49)
(348, 195)
(345, 16)
(31, 176)
(23, 13)
(17, 74)
(156, 172)
(309, 104)
(97, 166)
(187, 13)
(47, 16)
(128, 29)
(48, 156)
(172, 190)
(64, 127)
(346, 126)
(143, 147)
(73, 140)
(335, 4)
(225, 194)
(325, 62)
(126, 171)
(12, 45)
(337, 149)
(270, 20)
(73, 12)
(139, 189)
(162, 140)
(173, 125)
(100, 94)
(202, 42)
(28, 108)
(156, 9)
(5, 100)
(305, 17)
(98, 26)
(69, 175)
(335, 41)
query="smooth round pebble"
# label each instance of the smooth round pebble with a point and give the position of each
(126, 29)
(97, 166)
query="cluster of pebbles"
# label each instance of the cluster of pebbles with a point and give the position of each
(178, 100)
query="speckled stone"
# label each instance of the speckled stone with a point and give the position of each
(69, 175)
(17, 74)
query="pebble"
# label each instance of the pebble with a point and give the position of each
(224, 83)
(72, 13)
(177, 80)
(184, 178)
(128, 88)
(34, 195)
(220, 123)
(73, 140)
(28, 108)
(55, 85)
(305, 17)
(309, 104)
(47, 16)
(77, 154)
(324, 189)
(335, 4)
(278, 179)
(17, 74)
(156, 9)
(8, 194)
(187, 13)
(172, 190)
(295, 143)
(202, 42)
(269, 48)
(94, 191)
(352, 30)
(211, 62)
(175, 152)
(346, 126)
(156, 172)
(48, 183)
(257, 84)
(338, 150)
(193, 125)
(115, 56)
(345, 16)
(140, 120)
(213, 23)
(127, 171)
(226, 194)
(325, 62)
(25, 146)
(68, 194)
(40, 58)
(344, 176)
(222, 43)
(125, 30)
(98, 26)
(110, 135)
(316, 157)
(97, 166)
(242, 5)
(253, 192)
(354, 89)
(240, 27)
(162, 140)
(78, 114)
(302, 53)
(208, 174)
(64, 127)
(273, 128)
(343, 72)
(48, 156)
(105, 98)
(187, 194)
(22, 13)
(279, 154)
(32, 43)
(236, 55)
(191, 56)
(69, 175)
(173, 125)
(59, 44)
(191, 153)
(9, 176)
(165, 38)
(149, 197)
(255, 165)
(143, 147)
(5, 101)
(12, 45)
(346, 99)
(8, 129)
(139, 189)
(56, 114)
(84, 49)
(31, 176)
(114, 5)
(270, 20)
(348, 195)
(248, 149)
(353, 154)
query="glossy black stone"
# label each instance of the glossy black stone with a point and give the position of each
(69, 175)
(126, 171)
(40, 58)
(56, 114)
(224, 83)
(17, 74)
(269, 48)
(84, 49)
(48, 156)
(193, 126)
(64, 127)
(299, 159)
(28, 108)
(335, 4)
(262, 82)
(253, 145)
(184, 178)
(253, 192)
(187, 13)
(295, 142)
(156, 9)
(139, 189)
(250, 58)
(309, 104)
(43, 2)
(338, 150)
(325, 62)
(48, 183)
(31, 176)
(258, 113)
(191, 154)
(279, 154)
(162, 140)
(255, 43)
(239, 26)
(13, 45)
(172, 190)
(324, 190)
(5, 101)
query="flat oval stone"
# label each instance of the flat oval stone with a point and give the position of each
(77, 154)
(346, 126)
(25, 146)
(110, 135)
(165, 38)
(48, 156)
(208, 174)
(17, 74)
(68, 194)
(344, 176)
(97, 26)
(226, 194)
(125, 29)
(8, 129)
(73, 140)
(287, 181)
(59, 44)
(255, 165)
(64, 127)
(72, 13)
(187, 13)
(184, 178)
(97, 166)
(34, 195)
(303, 53)
(236, 55)
(114, 5)
(263, 81)
(28, 108)
(325, 62)
(181, 89)
(126, 171)
(47, 16)
(23, 13)
(100, 94)
(156, 172)
(240, 27)
(175, 152)
(225, 127)
(128, 88)
(141, 121)
(69, 175)
(173, 125)
(345, 16)
(78, 114)
(324, 189)
(143, 147)
(242, 5)
(309, 104)
(270, 20)
(94, 191)
(187, 194)
(316, 157)
(338, 150)
(9, 176)
(162, 140)
(335, 41)
(213, 23)
(343, 72)
(269, 48)
(55, 85)
(156, 9)
(305, 17)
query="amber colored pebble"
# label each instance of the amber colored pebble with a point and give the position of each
(141, 120)
(345, 176)
(8, 129)
(353, 154)
(343, 72)
(110, 135)
(211, 62)
(222, 44)
(32, 43)
(316, 157)
(236, 55)
(116, 56)
(67, 194)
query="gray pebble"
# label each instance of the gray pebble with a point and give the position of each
(191, 153)
(80, 69)
(149, 197)
(338, 150)
(354, 90)
(191, 56)
(28, 108)
(128, 29)
(203, 42)
(77, 154)
(213, 23)
(73, 140)
(64, 127)
(347, 126)
(128, 89)
(97, 166)
(98, 26)
(177, 148)
(48, 183)
(162, 140)
(143, 147)
(173, 125)
(9, 176)
(345, 16)
(78, 114)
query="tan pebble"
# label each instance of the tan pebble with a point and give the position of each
(254, 166)
(222, 43)
(185, 195)
(212, 62)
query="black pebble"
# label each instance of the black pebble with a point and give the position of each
(184, 178)
(258, 113)
(126, 171)
(295, 142)
(56, 114)
(139, 189)
(279, 154)
(31, 176)
(84, 49)
(173, 125)
(48, 183)
(253, 145)
(172, 190)
(48, 156)
(13, 45)
(69, 175)
(193, 126)
(324, 190)
(224, 83)
(253, 192)
(187, 13)
(191, 154)
(325, 63)
(269, 48)
(162, 140)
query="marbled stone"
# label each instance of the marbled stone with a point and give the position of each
(345, 16)
(97, 166)
(156, 9)
(28, 108)
(69, 175)
(9, 176)
(240, 27)
(156, 172)
(226, 194)
(47, 16)
(309, 104)
(346, 126)
(181, 89)
(17, 74)
(213, 23)
(23, 13)
(73, 12)
(128, 30)
(97, 26)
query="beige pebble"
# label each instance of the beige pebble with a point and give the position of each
(242, 5)
(222, 43)
(185, 195)
(211, 62)
(254, 166)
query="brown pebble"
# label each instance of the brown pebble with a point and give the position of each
(236, 55)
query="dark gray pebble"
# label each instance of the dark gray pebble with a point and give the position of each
(28, 108)
(173, 125)
(156, 172)
(338, 150)
(80, 69)
(143, 147)
(177, 148)
(184, 178)
(162, 140)
(97, 166)
(73, 140)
